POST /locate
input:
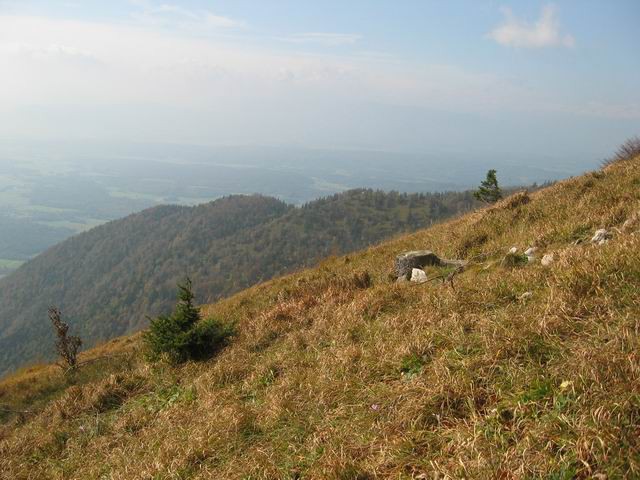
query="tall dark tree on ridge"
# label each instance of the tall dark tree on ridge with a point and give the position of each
(489, 190)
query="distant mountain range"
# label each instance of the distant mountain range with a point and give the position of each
(109, 279)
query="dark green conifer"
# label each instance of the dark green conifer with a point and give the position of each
(489, 190)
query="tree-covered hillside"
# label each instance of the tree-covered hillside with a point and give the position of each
(108, 280)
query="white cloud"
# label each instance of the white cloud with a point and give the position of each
(324, 38)
(49, 52)
(165, 84)
(170, 15)
(545, 32)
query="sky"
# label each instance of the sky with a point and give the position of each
(401, 75)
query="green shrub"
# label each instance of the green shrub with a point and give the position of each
(412, 365)
(184, 335)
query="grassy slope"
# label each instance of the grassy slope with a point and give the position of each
(331, 378)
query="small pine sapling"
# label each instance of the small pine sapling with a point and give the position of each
(184, 335)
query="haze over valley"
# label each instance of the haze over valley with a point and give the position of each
(50, 191)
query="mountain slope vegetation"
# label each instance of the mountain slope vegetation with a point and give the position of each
(108, 280)
(510, 370)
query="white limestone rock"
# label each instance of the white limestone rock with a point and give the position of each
(529, 252)
(418, 276)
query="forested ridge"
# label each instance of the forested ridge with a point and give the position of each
(108, 280)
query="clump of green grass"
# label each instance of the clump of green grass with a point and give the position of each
(513, 260)
(411, 365)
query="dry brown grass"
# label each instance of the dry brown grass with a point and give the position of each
(337, 373)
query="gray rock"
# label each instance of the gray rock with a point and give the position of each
(407, 261)
(419, 259)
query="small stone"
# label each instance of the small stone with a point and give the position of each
(418, 276)
(529, 253)
(513, 250)
(601, 237)
(547, 260)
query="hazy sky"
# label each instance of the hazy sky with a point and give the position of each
(414, 75)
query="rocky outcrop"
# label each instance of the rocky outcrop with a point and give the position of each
(419, 259)
(407, 261)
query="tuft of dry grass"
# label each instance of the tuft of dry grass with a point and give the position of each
(338, 373)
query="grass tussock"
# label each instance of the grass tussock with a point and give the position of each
(338, 373)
